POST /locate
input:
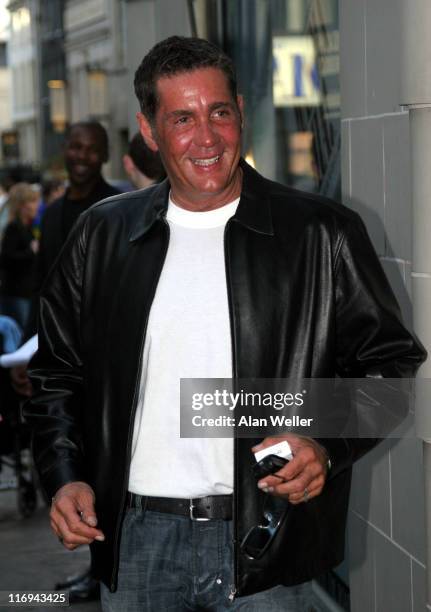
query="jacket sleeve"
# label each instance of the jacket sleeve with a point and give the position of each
(372, 340)
(56, 373)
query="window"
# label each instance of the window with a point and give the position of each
(287, 60)
(3, 55)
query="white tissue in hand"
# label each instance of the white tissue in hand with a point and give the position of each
(282, 449)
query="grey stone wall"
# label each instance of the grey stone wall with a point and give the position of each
(386, 519)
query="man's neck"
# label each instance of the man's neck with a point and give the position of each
(80, 192)
(207, 202)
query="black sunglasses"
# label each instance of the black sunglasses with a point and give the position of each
(258, 539)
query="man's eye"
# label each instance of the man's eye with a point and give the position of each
(181, 120)
(222, 112)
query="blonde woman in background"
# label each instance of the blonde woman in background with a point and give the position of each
(18, 253)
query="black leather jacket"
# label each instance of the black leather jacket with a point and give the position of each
(307, 298)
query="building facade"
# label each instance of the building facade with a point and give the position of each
(24, 66)
(5, 80)
(52, 84)
(387, 530)
(96, 70)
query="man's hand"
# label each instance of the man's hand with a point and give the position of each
(73, 518)
(304, 476)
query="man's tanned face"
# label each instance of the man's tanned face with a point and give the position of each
(198, 132)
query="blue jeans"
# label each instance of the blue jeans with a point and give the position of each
(170, 563)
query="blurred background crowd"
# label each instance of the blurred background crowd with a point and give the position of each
(35, 219)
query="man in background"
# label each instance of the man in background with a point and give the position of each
(86, 149)
(143, 166)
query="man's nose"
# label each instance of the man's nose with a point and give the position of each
(205, 135)
(82, 154)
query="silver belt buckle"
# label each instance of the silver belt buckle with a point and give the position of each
(195, 518)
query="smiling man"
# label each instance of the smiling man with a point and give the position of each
(217, 272)
(197, 131)
(86, 149)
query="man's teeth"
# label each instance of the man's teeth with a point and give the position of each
(206, 162)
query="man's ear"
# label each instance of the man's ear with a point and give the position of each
(240, 102)
(146, 131)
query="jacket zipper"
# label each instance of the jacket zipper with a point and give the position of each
(233, 591)
(132, 417)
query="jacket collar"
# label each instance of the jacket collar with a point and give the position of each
(253, 210)
(153, 209)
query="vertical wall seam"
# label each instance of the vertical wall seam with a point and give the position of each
(374, 561)
(390, 495)
(365, 60)
(411, 585)
(385, 236)
(349, 135)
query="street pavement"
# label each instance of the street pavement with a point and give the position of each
(31, 558)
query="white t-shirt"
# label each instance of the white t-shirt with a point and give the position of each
(188, 336)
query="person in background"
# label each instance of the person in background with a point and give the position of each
(52, 190)
(86, 150)
(6, 184)
(143, 166)
(18, 253)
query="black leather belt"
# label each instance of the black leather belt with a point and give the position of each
(199, 509)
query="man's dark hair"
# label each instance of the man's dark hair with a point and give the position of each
(173, 56)
(147, 161)
(99, 131)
